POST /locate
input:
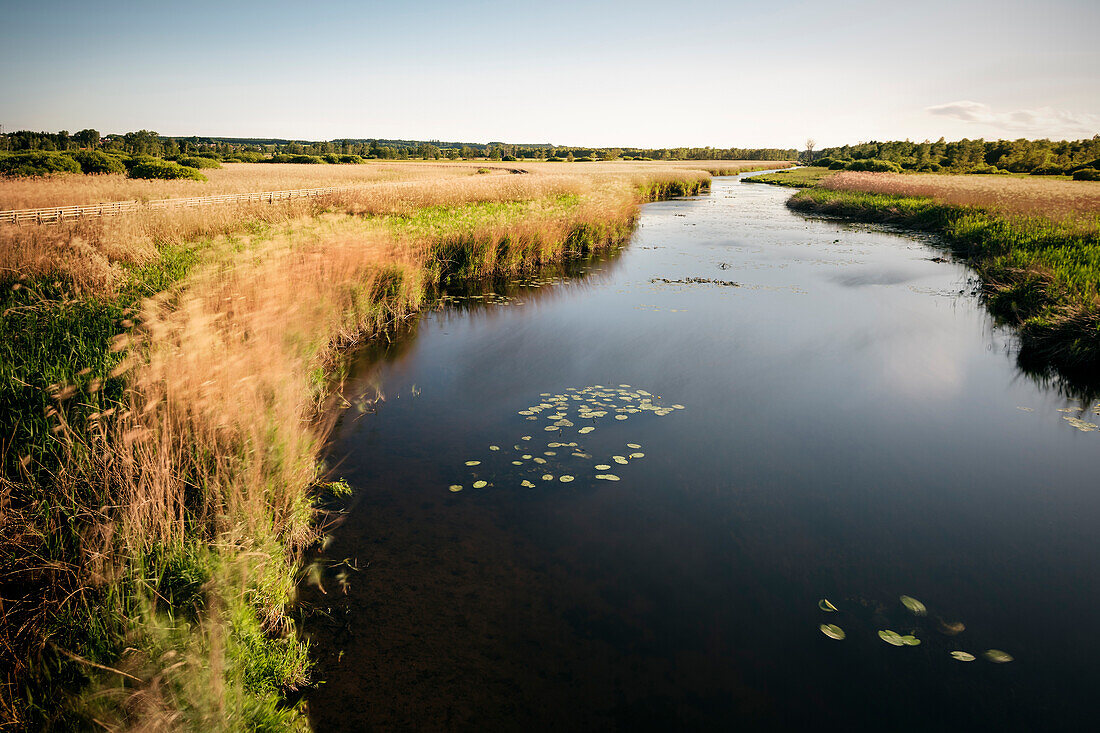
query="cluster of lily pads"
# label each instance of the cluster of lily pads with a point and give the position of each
(893, 638)
(576, 412)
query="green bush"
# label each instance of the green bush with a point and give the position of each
(585, 159)
(244, 157)
(304, 159)
(555, 159)
(986, 169)
(1087, 174)
(874, 165)
(157, 168)
(198, 161)
(1049, 170)
(929, 168)
(839, 165)
(98, 162)
(823, 162)
(509, 158)
(37, 163)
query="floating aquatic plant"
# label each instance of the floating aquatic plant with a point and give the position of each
(997, 656)
(963, 656)
(832, 631)
(825, 605)
(915, 607)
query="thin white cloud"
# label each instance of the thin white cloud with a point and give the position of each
(1041, 121)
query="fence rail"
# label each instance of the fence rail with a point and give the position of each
(55, 214)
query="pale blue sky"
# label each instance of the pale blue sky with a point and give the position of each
(721, 73)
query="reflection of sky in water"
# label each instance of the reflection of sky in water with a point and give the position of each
(852, 431)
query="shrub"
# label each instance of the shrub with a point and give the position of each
(156, 168)
(839, 165)
(555, 159)
(351, 159)
(1049, 170)
(1087, 174)
(243, 157)
(986, 169)
(823, 162)
(509, 158)
(585, 159)
(287, 158)
(198, 161)
(874, 165)
(37, 163)
(97, 162)
(930, 168)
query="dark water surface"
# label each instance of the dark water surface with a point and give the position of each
(853, 427)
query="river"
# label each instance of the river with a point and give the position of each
(828, 414)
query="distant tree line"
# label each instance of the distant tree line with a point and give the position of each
(147, 142)
(1039, 157)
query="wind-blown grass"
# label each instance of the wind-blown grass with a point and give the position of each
(163, 389)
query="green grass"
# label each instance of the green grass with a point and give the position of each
(1041, 275)
(796, 178)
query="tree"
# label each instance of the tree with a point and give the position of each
(86, 138)
(810, 145)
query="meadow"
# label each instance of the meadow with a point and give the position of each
(166, 382)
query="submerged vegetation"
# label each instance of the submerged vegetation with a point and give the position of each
(164, 384)
(1034, 243)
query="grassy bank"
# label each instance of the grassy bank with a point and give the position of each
(797, 178)
(164, 390)
(1041, 273)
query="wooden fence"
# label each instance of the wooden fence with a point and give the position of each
(55, 214)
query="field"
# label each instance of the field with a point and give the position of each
(31, 193)
(1035, 244)
(166, 380)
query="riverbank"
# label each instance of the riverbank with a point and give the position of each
(1034, 245)
(164, 388)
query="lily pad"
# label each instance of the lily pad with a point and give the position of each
(891, 637)
(915, 607)
(997, 656)
(963, 656)
(480, 484)
(602, 467)
(607, 476)
(637, 455)
(565, 479)
(455, 487)
(473, 463)
(635, 446)
(527, 483)
(586, 430)
(824, 605)
(620, 459)
(832, 631)
(620, 417)
(494, 447)
(547, 477)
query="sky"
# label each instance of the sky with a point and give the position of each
(725, 73)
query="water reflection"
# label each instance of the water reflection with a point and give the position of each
(854, 443)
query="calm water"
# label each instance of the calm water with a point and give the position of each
(853, 427)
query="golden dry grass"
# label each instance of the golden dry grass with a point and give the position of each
(1055, 199)
(219, 433)
(66, 190)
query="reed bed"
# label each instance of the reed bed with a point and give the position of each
(165, 381)
(1053, 199)
(67, 189)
